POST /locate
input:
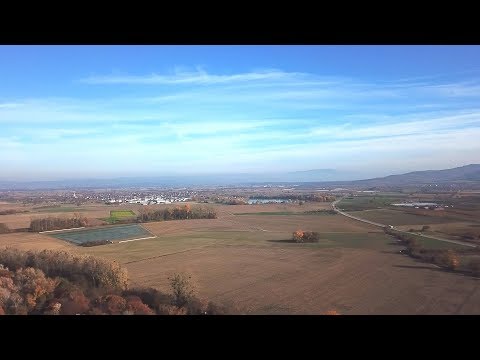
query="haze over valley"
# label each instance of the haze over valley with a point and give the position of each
(207, 180)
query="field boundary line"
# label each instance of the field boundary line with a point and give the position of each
(144, 238)
(162, 255)
(49, 231)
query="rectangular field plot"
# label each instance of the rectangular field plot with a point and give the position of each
(121, 213)
(110, 233)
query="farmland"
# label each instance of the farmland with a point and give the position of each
(246, 258)
(105, 234)
(458, 221)
(117, 215)
(122, 213)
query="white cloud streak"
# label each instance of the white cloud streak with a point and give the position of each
(263, 119)
(198, 77)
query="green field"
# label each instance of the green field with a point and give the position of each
(437, 244)
(398, 217)
(117, 215)
(368, 202)
(122, 213)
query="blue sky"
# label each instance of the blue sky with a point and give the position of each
(108, 111)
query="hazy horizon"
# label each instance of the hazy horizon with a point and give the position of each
(77, 112)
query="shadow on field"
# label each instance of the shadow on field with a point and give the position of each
(418, 267)
(289, 241)
(396, 243)
(388, 251)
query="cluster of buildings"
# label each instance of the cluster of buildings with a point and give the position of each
(156, 200)
(423, 205)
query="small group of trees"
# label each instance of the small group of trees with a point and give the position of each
(177, 213)
(56, 282)
(300, 236)
(58, 223)
(445, 258)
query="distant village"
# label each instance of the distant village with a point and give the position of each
(148, 200)
(423, 205)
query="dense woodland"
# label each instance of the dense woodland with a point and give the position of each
(57, 282)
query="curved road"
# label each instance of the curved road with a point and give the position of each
(334, 206)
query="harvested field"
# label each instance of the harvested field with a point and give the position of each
(301, 281)
(251, 262)
(34, 241)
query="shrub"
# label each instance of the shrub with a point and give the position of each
(149, 296)
(332, 312)
(447, 259)
(300, 236)
(182, 289)
(74, 303)
(135, 306)
(167, 309)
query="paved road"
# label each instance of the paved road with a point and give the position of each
(334, 206)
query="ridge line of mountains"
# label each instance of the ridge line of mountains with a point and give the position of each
(463, 175)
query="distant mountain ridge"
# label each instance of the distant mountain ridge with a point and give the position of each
(459, 174)
(318, 177)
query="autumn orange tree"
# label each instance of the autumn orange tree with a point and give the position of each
(450, 260)
(332, 312)
(300, 236)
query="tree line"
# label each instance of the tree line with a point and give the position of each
(56, 282)
(178, 213)
(58, 223)
(299, 197)
(12, 211)
(446, 258)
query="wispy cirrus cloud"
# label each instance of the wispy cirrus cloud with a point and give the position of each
(199, 77)
(268, 119)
